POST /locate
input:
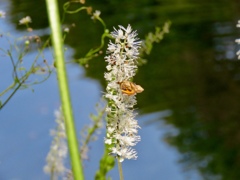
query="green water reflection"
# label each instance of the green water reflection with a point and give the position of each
(193, 72)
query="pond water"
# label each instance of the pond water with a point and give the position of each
(188, 111)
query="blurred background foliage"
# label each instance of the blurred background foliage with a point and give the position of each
(193, 72)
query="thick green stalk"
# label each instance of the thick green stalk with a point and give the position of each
(54, 20)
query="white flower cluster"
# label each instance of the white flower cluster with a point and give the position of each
(96, 15)
(238, 41)
(25, 20)
(58, 150)
(122, 128)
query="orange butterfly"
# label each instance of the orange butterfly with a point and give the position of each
(129, 88)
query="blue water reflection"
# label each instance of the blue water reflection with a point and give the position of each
(27, 119)
(156, 159)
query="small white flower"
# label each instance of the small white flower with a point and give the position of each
(25, 20)
(96, 15)
(66, 30)
(129, 153)
(118, 35)
(2, 14)
(108, 141)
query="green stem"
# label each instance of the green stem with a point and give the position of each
(11, 95)
(120, 169)
(54, 20)
(66, 6)
(8, 88)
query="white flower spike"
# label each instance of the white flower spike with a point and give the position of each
(58, 150)
(122, 127)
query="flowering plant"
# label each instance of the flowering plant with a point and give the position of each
(122, 128)
(123, 58)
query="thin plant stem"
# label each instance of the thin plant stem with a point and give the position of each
(53, 14)
(11, 95)
(8, 88)
(120, 169)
